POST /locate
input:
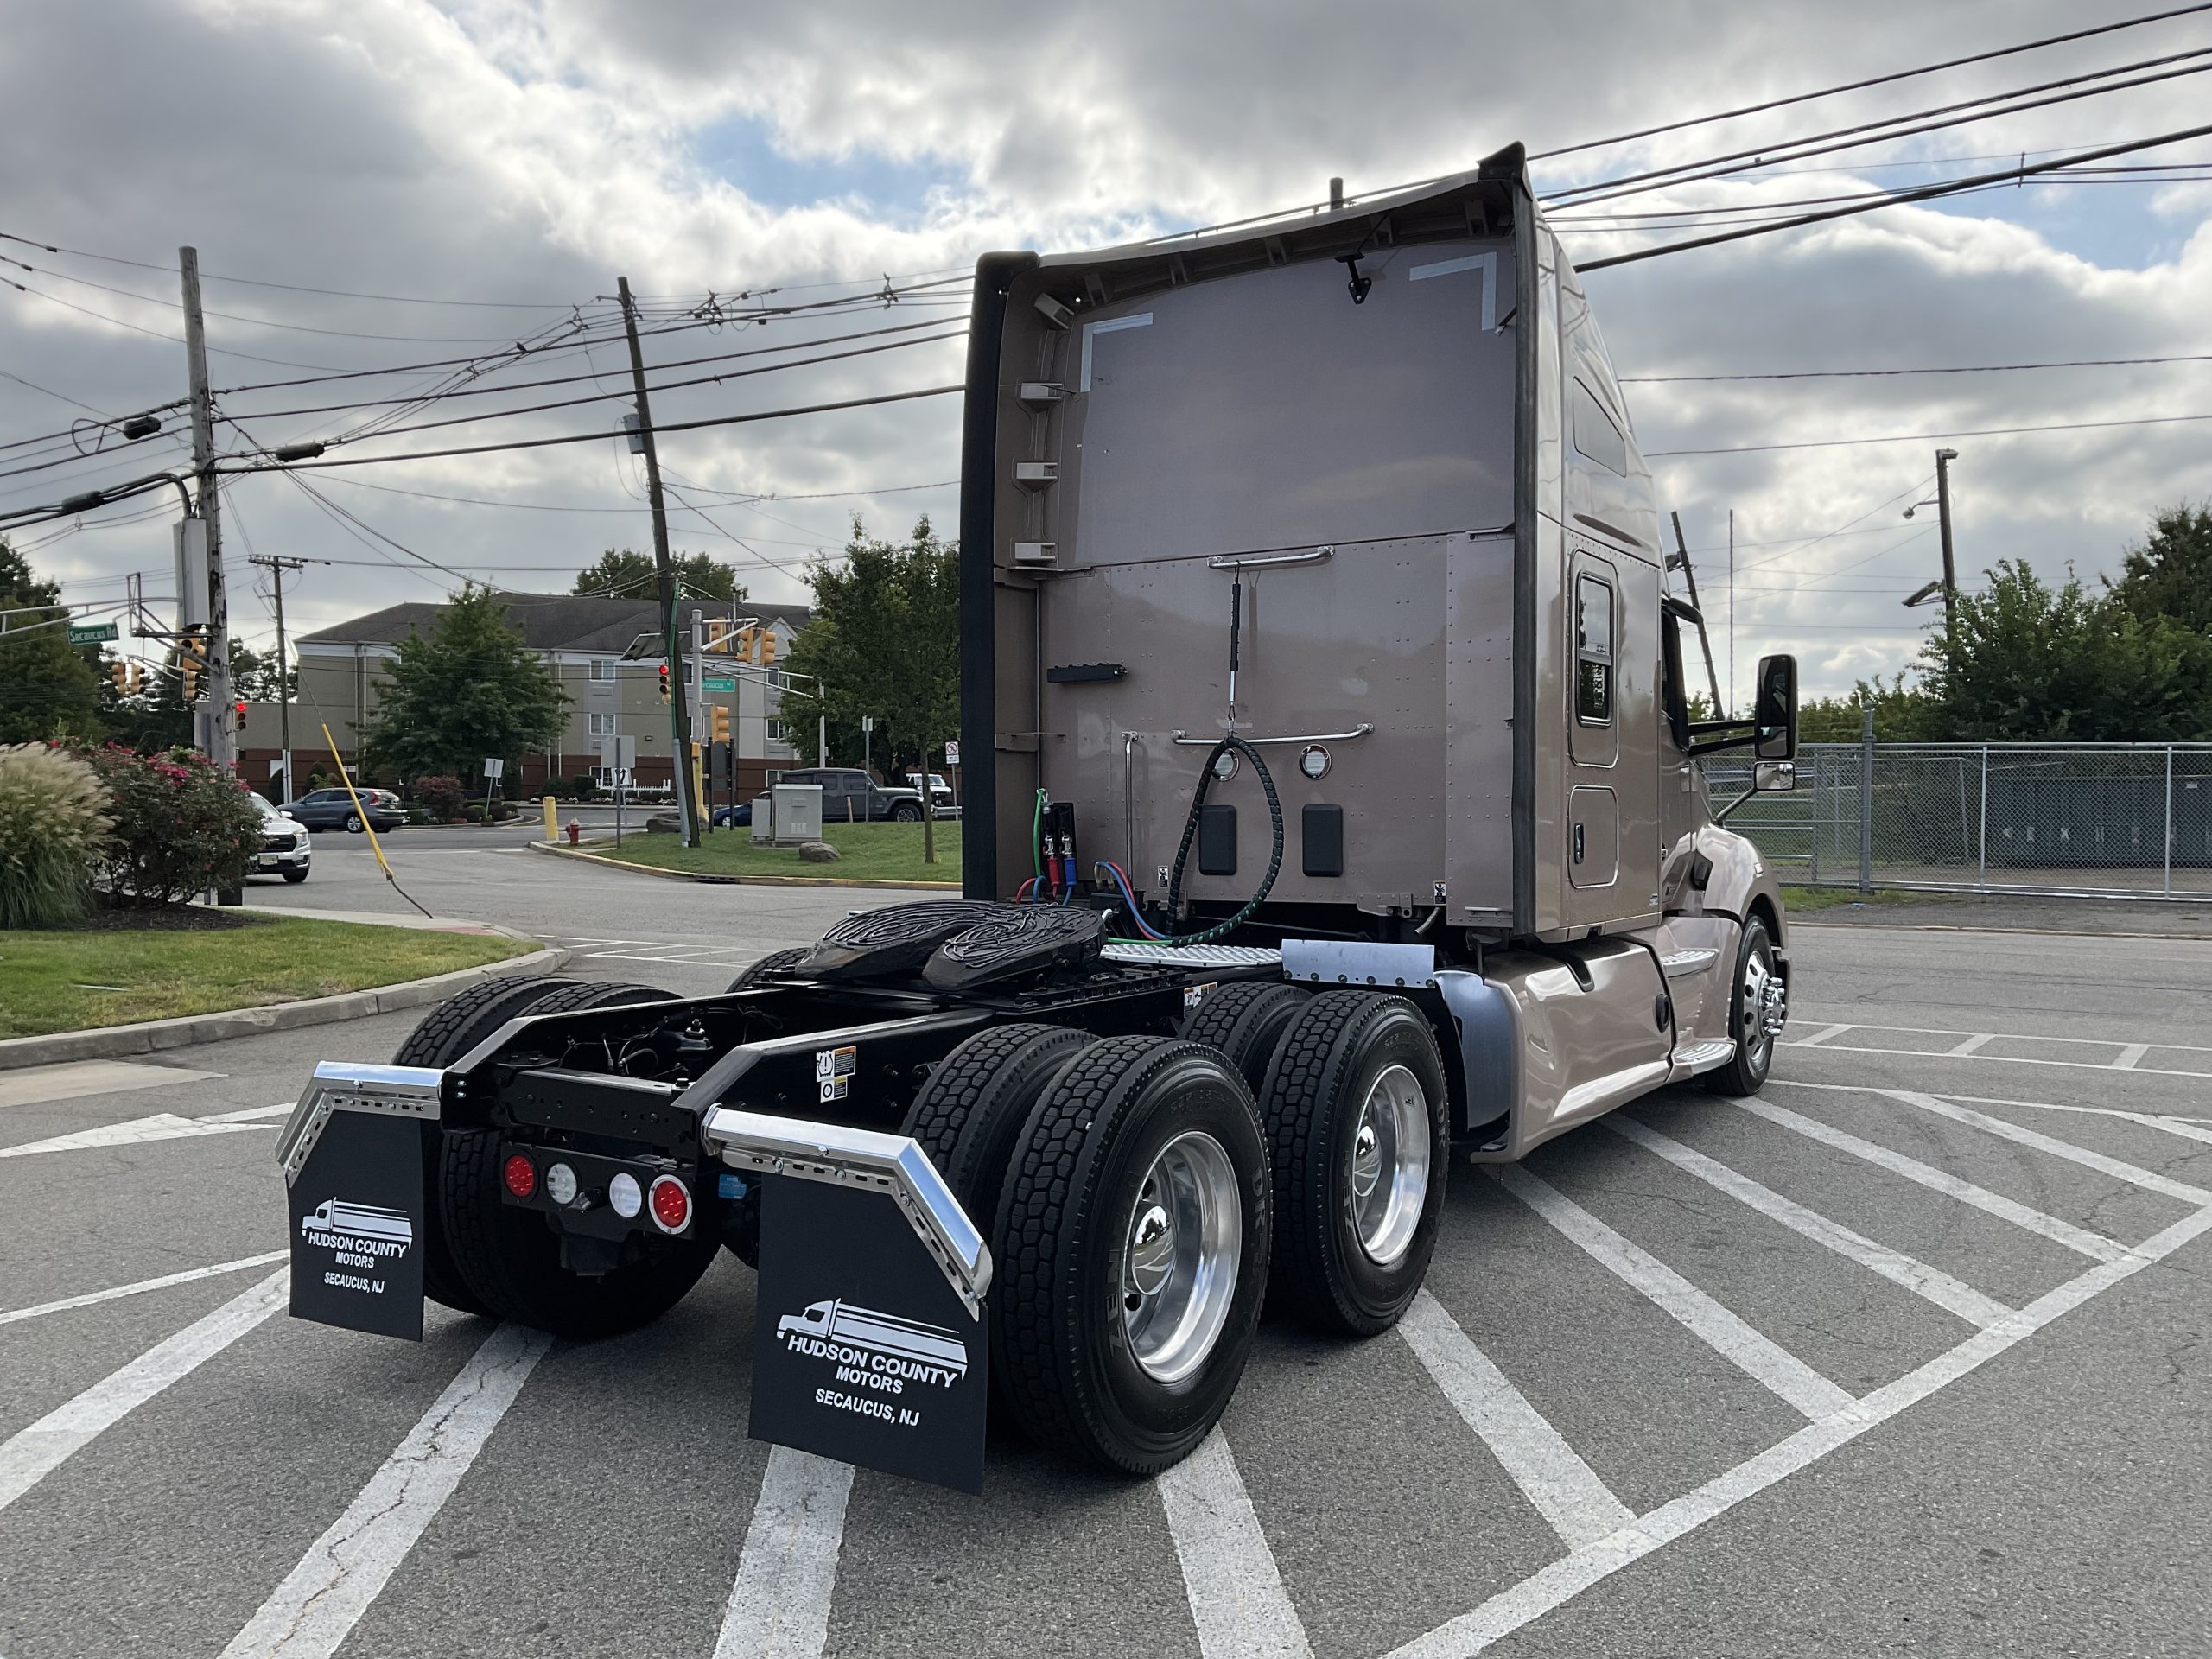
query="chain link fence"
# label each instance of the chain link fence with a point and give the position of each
(2094, 820)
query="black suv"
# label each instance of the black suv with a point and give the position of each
(850, 795)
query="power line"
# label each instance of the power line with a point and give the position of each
(1875, 80)
(601, 437)
(1923, 193)
(1969, 368)
(1850, 138)
(1929, 437)
(174, 340)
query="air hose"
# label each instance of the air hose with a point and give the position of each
(1230, 742)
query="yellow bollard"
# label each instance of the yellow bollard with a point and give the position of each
(552, 820)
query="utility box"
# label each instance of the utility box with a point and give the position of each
(793, 812)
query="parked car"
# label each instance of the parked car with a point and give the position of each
(333, 809)
(939, 790)
(733, 818)
(284, 845)
(850, 795)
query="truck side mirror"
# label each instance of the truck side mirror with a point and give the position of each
(1773, 777)
(1774, 709)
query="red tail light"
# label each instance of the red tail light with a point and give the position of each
(521, 1175)
(671, 1204)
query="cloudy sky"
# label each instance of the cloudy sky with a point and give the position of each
(381, 184)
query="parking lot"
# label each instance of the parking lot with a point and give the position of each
(1905, 1355)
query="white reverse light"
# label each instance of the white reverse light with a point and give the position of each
(561, 1184)
(624, 1195)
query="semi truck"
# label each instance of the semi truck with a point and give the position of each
(1334, 816)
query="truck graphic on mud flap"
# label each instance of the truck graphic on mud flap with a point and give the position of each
(839, 1322)
(359, 1221)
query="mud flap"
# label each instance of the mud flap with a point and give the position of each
(356, 1205)
(862, 1350)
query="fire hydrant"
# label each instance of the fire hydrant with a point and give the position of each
(575, 831)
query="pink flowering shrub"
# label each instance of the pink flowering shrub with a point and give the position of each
(181, 826)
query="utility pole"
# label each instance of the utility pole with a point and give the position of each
(212, 722)
(679, 704)
(276, 568)
(1943, 459)
(1681, 560)
(1730, 713)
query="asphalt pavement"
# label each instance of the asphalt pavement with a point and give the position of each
(1906, 1356)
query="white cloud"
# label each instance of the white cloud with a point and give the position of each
(508, 151)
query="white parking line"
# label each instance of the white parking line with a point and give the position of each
(251, 1115)
(1762, 1360)
(2147, 1179)
(162, 1126)
(1564, 1580)
(319, 1602)
(1972, 1047)
(187, 1277)
(1565, 1490)
(34, 1452)
(1930, 1284)
(779, 1602)
(1820, 1037)
(1234, 1589)
(2129, 1056)
(1995, 1203)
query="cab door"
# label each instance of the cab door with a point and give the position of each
(1593, 735)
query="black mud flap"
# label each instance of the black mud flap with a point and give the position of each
(358, 1226)
(863, 1351)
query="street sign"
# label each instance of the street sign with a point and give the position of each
(867, 722)
(712, 683)
(952, 754)
(493, 766)
(618, 753)
(90, 633)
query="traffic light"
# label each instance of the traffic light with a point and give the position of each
(239, 708)
(663, 682)
(717, 633)
(717, 724)
(119, 671)
(192, 663)
(767, 641)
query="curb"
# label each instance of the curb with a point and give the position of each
(151, 1036)
(740, 880)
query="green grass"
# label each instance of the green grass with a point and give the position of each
(49, 981)
(1799, 898)
(872, 852)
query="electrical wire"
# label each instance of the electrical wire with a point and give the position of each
(1931, 437)
(1923, 193)
(1849, 374)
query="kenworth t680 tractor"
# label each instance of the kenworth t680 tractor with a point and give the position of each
(1333, 813)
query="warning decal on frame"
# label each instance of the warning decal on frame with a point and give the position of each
(833, 1070)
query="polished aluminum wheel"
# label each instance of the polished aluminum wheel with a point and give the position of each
(1389, 1184)
(1762, 1007)
(1181, 1253)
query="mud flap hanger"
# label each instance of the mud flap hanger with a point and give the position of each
(404, 1092)
(867, 1160)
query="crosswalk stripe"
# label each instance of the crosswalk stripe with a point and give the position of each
(1762, 1359)
(1930, 1284)
(1565, 1490)
(251, 1115)
(2144, 1178)
(319, 1602)
(162, 1283)
(2079, 1239)
(779, 1602)
(162, 1126)
(33, 1454)
(1234, 1589)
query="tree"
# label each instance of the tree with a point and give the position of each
(2169, 573)
(470, 690)
(2025, 662)
(47, 689)
(885, 640)
(254, 677)
(1902, 713)
(630, 575)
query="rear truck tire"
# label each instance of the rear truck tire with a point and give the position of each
(774, 962)
(1747, 1067)
(906, 812)
(1130, 1252)
(972, 1112)
(1358, 1115)
(442, 1036)
(1245, 1020)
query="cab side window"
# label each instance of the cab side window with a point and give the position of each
(1596, 436)
(1594, 651)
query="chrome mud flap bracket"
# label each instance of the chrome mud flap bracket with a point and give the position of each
(870, 1341)
(352, 1153)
